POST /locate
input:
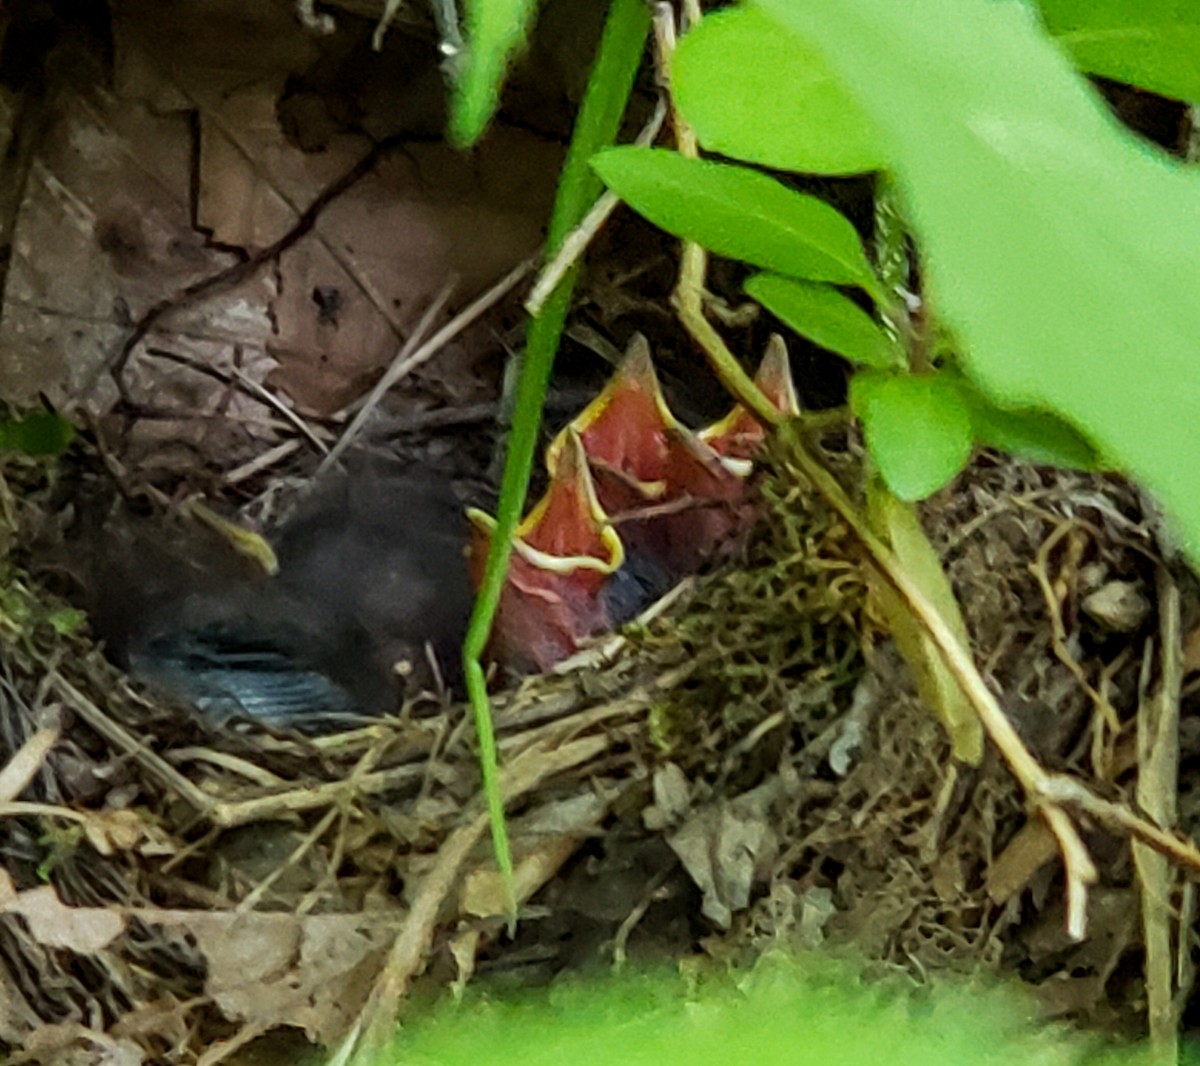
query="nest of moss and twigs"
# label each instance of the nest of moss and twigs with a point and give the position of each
(747, 768)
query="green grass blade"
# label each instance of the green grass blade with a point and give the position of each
(604, 103)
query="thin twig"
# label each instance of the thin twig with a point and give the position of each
(377, 1019)
(576, 242)
(232, 376)
(298, 852)
(389, 376)
(262, 462)
(117, 735)
(1157, 787)
(27, 761)
(435, 343)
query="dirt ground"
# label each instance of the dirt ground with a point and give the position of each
(227, 236)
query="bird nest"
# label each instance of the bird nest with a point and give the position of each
(750, 761)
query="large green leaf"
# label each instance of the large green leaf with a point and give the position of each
(828, 317)
(917, 429)
(1154, 44)
(739, 213)
(1040, 436)
(753, 94)
(1061, 250)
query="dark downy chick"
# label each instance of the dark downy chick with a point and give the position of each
(371, 572)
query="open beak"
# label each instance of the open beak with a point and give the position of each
(739, 434)
(636, 500)
(563, 552)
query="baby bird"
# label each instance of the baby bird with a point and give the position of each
(371, 599)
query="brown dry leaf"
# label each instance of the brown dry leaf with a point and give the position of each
(727, 847)
(313, 971)
(165, 1019)
(672, 798)
(72, 1044)
(1027, 852)
(416, 222)
(1191, 651)
(113, 831)
(542, 842)
(222, 44)
(1119, 606)
(103, 233)
(252, 178)
(86, 930)
(464, 946)
(380, 252)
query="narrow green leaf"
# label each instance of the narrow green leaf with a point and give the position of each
(609, 85)
(828, 317)
(899, 526)
(752, 94)
(604, 103)
(917, 429)
(1057, 247)
(739, 213)
(1153, 44)
(495, 29)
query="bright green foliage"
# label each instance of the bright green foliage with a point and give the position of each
(495, 28)
(1154, 44)
(739, 213)
(806, 1013)
(40, 433)
(1061, 251)
(1040, 436)
(920, 429)
(67, 620)
(828, 317)
(917, 428)
(753, 94)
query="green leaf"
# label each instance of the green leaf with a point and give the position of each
(40, 433)
(1153, 44)
(752, 94)
(739, 213)
(827, 317)
(495, 29)
(917, 430)
(1039, 436)
(899, 526)
(1059, 249)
